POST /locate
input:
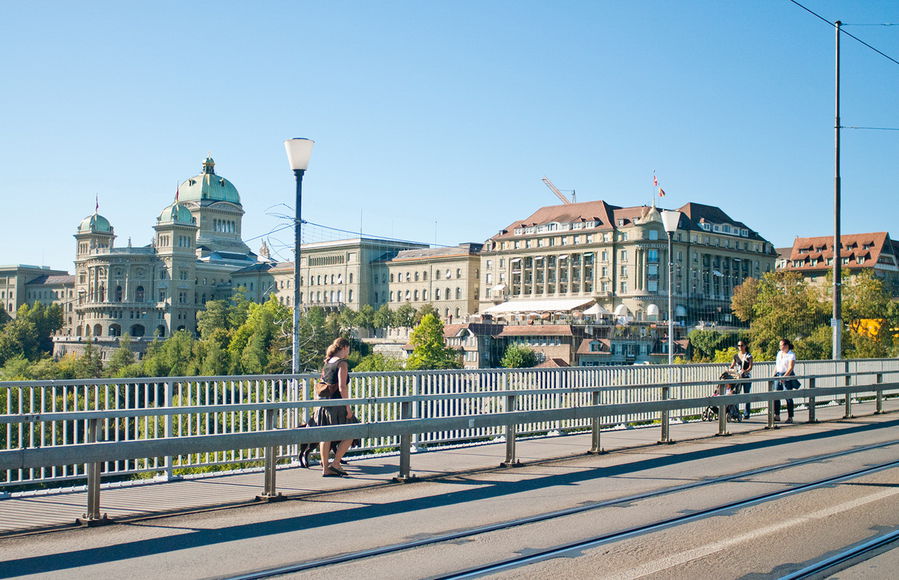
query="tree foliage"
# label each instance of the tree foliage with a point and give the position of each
(518, 356)
(429, 350)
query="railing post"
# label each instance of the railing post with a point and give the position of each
(270, 488)
(770, 407)
(666, 418)
(405, 475)
(811, 402)
(168, 397)
(847, 414)
(511, 432)
(596, 427)
(92, 516)
(416, 407)
(722, 420)
(879, 401)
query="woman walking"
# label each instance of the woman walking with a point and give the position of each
(742, 363)
(334, 384)
(786, 362)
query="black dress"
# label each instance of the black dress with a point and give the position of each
(324, 416)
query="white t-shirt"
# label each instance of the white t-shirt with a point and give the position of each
(783, 361)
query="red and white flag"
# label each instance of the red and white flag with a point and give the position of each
(661, 192)
(177, 193)
(655, 180)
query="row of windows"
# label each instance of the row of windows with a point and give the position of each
(415, 295)
(225, 226)
(423, 275)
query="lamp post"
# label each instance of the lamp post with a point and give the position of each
(298, 153)
(670, 220)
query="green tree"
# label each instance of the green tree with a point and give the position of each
(429, 350)
(365, 317)
(404, 316)
(19, 338)
(786, 306)
(423, 311)
(46, 319)
(88, 365)
(123, 357)
(261, 344)
(378, 362)
(383, 317)
(518, 356)
(216, 316)
(171, 357)
(705, 342)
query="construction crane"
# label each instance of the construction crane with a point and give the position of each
(558, 193)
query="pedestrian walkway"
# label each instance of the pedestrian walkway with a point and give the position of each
(59, 510)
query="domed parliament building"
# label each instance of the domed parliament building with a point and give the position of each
(156, 290)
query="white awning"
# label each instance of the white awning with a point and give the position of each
(597, 310)
(498, 288)
(621, 310)
(531, 306)
(652, 310)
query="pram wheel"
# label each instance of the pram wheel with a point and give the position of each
(710, 414)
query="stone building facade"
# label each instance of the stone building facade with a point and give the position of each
(157, 289)
(579, 254)
(343, 273)
(813, 257)
(447, 278)
(15, 290)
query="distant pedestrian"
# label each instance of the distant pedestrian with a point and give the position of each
(742, 363)
(784, 366)
(334, 384)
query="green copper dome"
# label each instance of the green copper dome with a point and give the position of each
(176, 213)
(94, 223)
(208, 186)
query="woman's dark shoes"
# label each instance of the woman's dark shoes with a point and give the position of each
(338, 471)
(789, 420)
(331, 472)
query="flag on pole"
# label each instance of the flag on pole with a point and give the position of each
(177, 193)
(655, 180)
(97, 203)
(661, 192)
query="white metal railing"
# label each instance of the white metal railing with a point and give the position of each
(218, 405)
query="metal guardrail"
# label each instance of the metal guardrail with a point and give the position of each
(214, 408)
(585, 405)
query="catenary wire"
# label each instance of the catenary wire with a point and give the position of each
(849, 34)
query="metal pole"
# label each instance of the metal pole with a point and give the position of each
(295, 367)
(670, 305)
(836, 322)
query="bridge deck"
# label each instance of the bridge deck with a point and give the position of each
(42, 512)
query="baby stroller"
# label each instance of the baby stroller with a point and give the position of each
(728, 388)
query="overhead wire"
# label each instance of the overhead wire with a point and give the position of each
(849, 34)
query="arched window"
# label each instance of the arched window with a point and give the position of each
(115, 330)
(98, 330)
(139, 294)
(102, 293)
(137, 330)
(458, 295)
(118, 293)
(437, 294)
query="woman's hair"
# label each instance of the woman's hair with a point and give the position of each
(336, 346)
(787, 342)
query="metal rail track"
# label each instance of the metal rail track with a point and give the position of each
(558, 550)
(847, 558)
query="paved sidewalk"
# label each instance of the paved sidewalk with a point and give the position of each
(51, 511)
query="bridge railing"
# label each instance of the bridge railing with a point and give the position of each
(47, 414)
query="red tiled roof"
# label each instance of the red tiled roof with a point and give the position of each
(537, 330)
(566, 213)
(552, 363)
(584, 346)
(854, 246)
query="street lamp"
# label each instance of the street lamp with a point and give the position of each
(298, 153)
(670, 219)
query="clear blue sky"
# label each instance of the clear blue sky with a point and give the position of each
(440, 111)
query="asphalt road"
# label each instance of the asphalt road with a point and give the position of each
(764, 540)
